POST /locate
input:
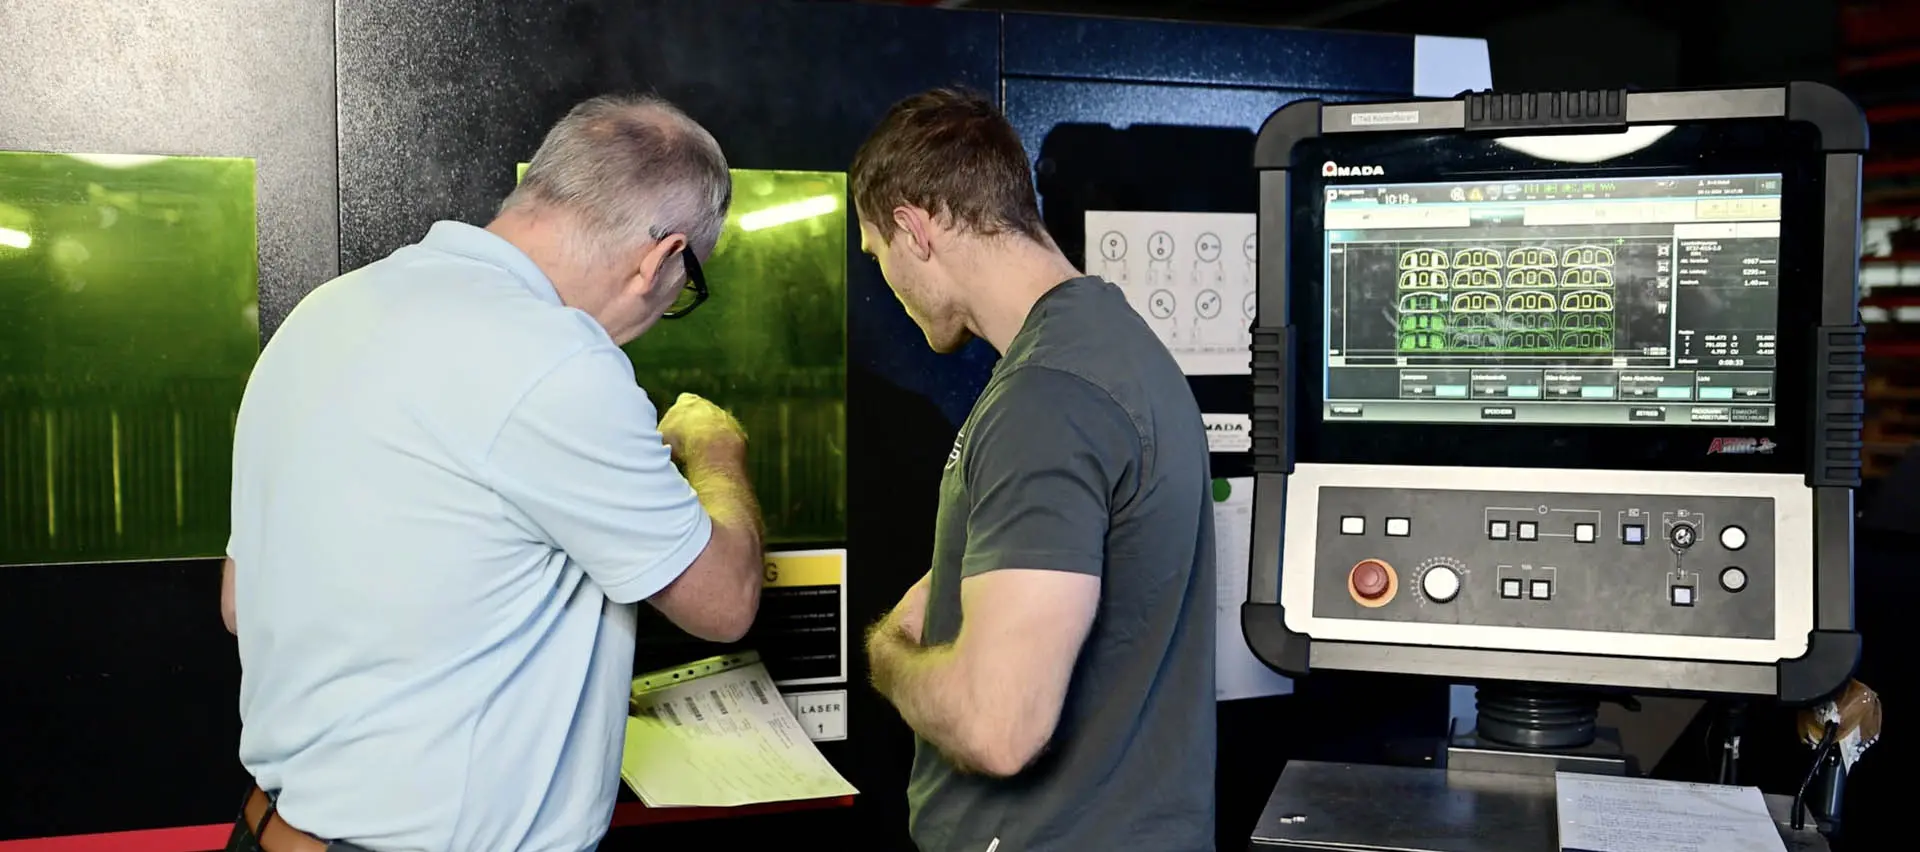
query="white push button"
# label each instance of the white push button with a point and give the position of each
(1497, 530)
(1353, 525)
(1440, 583)
(1510, 588)
(1733, 538)
(1399, 526)
(1585, 533)
(1529, 531)
(1683, 596)
(1733, 579)
(1541, 590)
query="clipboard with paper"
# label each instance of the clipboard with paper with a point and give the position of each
(716, 733)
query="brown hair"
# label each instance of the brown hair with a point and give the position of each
(948, 152)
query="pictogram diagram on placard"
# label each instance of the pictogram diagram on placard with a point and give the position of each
(1190, 275)
(1113, 258)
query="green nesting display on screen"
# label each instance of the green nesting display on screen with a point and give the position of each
(129, 320)
(770, 344)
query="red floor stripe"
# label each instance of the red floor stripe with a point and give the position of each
(198, 838)
(210, 838)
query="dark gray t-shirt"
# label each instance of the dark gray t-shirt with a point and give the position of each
(1086, 453)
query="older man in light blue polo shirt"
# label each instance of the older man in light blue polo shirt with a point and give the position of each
(449, 494)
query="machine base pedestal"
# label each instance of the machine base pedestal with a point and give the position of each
(1603, 756)
(1338, 806)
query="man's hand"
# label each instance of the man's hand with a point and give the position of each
(702, 434)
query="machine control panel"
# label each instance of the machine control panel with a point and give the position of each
(1617, 563)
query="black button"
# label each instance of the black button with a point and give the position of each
(1496, 412)
(1647, 415)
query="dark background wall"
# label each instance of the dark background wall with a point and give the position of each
(372, 118)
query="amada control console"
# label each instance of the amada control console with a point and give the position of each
(1560, 389)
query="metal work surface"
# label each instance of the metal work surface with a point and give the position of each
(1334, 806)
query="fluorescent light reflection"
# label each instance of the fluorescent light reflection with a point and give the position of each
(13, 239)
(786, 214)
(118, 161)
(1587, 147)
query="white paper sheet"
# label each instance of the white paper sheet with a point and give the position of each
(722, 740)
(1190, 274)
(1236, 672)
(1608, 814)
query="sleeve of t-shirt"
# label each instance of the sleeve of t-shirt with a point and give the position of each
(582, 461)
(1043, 464)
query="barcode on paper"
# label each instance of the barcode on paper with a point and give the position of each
(757, 691)
(672, 717)
(694, 708)
(722, 705)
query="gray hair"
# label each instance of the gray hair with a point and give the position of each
(629, 169)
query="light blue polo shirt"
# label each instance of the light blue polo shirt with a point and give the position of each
(448, 493)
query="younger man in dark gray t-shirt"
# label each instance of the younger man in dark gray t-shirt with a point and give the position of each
(1056, 664)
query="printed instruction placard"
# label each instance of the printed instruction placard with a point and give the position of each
(801, 631)
(1191, 275)
(1228, 433)
(823, 715)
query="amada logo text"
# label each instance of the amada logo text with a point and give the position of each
(1741, 446)
(1333, 169)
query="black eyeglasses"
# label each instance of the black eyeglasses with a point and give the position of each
(695, 291)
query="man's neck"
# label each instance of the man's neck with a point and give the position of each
(1004, 280)
(540, 239)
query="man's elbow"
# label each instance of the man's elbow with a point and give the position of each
(732, 608)
(1003, 751)
(734, 621)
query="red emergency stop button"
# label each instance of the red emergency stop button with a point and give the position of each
(1371, 581)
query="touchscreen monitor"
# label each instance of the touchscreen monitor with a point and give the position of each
(1608, 300)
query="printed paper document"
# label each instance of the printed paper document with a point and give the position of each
(722, 740)
(1607, 814)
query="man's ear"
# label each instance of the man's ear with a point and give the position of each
(914, 223)
(657, 265)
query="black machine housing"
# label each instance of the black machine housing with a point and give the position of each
(1609, 615)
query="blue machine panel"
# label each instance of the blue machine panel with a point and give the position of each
(1162, 52)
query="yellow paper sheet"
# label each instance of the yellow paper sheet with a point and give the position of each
(722, 740)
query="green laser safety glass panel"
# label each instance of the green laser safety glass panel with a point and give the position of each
(770, 346)
(129, 321)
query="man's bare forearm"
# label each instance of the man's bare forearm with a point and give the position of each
(929, 688)
(727, 495)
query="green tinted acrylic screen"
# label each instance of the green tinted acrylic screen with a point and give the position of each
(129, 320)
(769, 345)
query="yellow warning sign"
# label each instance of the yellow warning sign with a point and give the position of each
(806, 568)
